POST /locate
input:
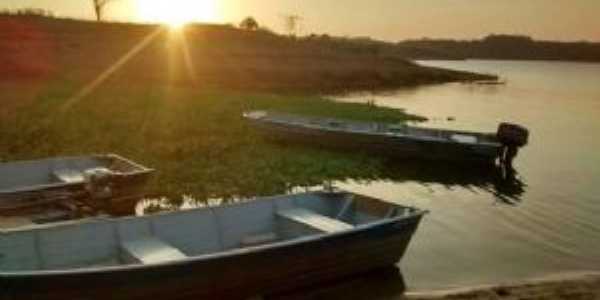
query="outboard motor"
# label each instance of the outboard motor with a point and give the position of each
(98, 183)
(512, 136)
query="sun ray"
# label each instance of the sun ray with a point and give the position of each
(90, 87)
(189, 62)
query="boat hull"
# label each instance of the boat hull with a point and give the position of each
(394, 146)
(249, 272)
(40, 190)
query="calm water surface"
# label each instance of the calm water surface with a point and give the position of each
(483, 229)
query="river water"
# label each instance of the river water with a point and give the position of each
(484, 228)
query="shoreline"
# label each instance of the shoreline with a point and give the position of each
(389, 285)
(567, 285)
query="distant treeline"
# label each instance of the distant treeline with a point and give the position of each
(514, 47)
(27, 12)
(495, 46)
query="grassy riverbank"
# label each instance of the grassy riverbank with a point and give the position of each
(196, 139)
(173, 100)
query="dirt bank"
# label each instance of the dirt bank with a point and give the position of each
(571, 286)
(555, 287)
(47, 49)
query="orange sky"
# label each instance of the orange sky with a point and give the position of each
(384, 19)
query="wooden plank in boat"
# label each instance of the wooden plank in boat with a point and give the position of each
(150, 250)
(312, 219)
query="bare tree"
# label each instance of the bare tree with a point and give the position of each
(99, 8)
(249, 24)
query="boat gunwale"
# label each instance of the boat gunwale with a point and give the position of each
(139, 170)
(269, 119)
(415, 213)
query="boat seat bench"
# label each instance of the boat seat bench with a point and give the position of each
(150, 250)
(258, 239)
(68, 175)
(314, 220)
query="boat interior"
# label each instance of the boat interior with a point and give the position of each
(23, 175)
(164, 237)
(383, 128)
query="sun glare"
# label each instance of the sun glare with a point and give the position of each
(177, 13)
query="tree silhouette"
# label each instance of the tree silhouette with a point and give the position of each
(99, 8)
(249, 24)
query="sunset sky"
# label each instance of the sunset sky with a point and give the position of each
(381, 19)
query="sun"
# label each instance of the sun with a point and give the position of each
(177, 13)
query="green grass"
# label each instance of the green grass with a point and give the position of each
(196, 140)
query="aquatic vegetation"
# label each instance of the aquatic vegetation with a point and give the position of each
(196, 140)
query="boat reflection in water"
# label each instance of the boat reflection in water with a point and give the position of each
(503, 182)
(507, 186)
